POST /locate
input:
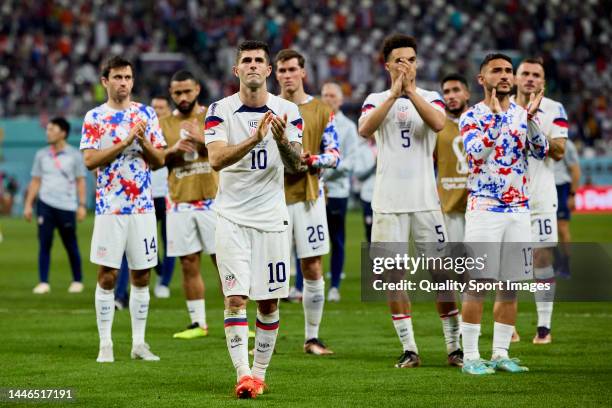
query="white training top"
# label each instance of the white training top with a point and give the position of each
(405, 179)
(251, 191)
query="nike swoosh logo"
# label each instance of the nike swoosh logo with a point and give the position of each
(273, 290)
(316, 247)
(236, 345)
(210, 132)
(150, 259)
(261, 351)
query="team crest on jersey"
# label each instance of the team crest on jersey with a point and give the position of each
(253, 126)
(230, 281)
(402, 113)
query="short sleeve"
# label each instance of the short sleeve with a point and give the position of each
(37, 165)
(90, 133)
(436, 101)
(368, 105)
(153, 130)
(560, 124)
(215, 125)
(296, 124)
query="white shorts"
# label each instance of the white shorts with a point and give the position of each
(544, 229)
(132, 234)
(455, 226)
(251, 262)
(503, 241)
(425, 227)
(190, 232)
(308, 222)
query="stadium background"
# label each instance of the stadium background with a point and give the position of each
(49, 57)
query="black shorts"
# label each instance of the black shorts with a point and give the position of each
(563, 211)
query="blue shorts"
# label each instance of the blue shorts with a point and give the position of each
(563, 211)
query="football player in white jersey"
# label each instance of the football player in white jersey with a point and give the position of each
(405, 120)
(543, 197)
(121, 139)
(252, 137)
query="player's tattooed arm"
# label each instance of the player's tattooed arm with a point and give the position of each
(290, 152)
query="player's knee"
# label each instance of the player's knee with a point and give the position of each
(267, 306)
(235, 303)
(106, 280)
(140, 278)
(311, 268)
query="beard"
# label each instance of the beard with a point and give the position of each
(457, 111)
(186, 109)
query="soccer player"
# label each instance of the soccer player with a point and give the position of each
(451, 183)
(123, 141)
(404, 120)
(498, 136)
(252, 137)
(543, 198)
(567, 179)
(58, 178)
(304, 193)
(193, 186)
(338, 185)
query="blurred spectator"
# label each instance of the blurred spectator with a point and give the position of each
(49, 51)
(8, 189)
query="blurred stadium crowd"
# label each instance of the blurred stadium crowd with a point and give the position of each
(50, 50)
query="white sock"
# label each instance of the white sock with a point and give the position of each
(237, 338)
(469, 336)
(403, 328)
(545, 298)
(197, 312)
(265, 338)
(450, 327)
(139, 309)
(313, 301)
(105, 312)
(545, 311)
(502, 334)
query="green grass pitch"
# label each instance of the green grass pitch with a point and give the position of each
(51, 341)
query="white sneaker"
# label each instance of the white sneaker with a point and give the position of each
(161, 291)
(106, 354)
(142, 351)
(333, 295)
(75, 287)
(41, 288)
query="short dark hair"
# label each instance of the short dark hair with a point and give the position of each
(250, 45)
(397, 40)
(115, 62)
(454, 77)
(183, 75)
(287, 54)
(493, 56)
(62, 123)
(163, 97)
(534, 60)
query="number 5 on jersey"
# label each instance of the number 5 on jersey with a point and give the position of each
(406, 136)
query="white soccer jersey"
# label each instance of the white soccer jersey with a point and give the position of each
(542, 189)
(251, 191)
(405, 179)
